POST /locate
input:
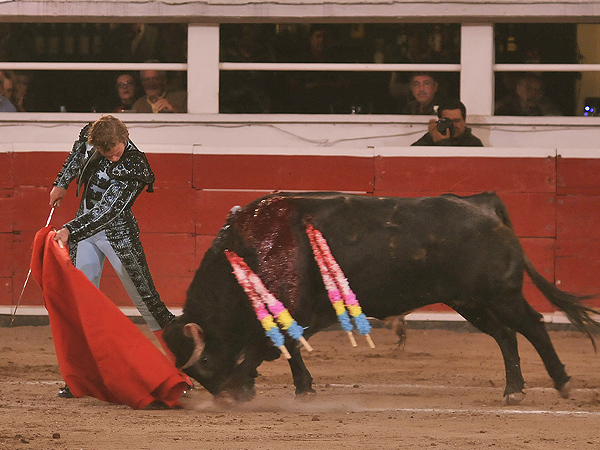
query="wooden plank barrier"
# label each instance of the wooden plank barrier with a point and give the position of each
(554, 204)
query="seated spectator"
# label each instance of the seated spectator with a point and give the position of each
(5, 103)
(528, 99)
(19, 94)
(158, 98)
(246, 91)
(319, 92)
(22, 96)
(424, 88)
(457, 134)
(9, 77)
(127, 93)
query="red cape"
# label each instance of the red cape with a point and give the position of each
(100, 352)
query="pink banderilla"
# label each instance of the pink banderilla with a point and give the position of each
(338, 289)
(261, 297)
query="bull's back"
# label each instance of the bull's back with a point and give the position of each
(416, 251)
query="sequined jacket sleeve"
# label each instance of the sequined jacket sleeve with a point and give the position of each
(72, 165)
(119, 197)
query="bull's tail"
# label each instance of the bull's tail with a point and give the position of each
(570, 304)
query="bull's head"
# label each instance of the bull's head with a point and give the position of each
(208, 361)
(187, 343)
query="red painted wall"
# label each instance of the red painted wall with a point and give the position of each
(554, 204)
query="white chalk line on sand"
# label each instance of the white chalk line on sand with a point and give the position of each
(495, 411)
(434, 387)
(467, 410)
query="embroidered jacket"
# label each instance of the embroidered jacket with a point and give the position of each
(110, 187)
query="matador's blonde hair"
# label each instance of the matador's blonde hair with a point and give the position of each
(106, 132)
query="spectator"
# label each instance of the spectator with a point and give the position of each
(5, 103)
(127, 93)
(20, 89)
(250, 43)
(424, 88)
(9, 77)
(158, 98)
(318, 45)
(528, 99)
(415, 48)
(246, 91)
(319, 92)
(457, 134)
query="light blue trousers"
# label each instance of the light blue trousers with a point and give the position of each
(91, 254)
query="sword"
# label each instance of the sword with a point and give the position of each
(14, 313)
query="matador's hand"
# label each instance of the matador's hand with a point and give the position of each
(56, 195)
(62, 236)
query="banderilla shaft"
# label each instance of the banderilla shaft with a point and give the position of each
(14, 313)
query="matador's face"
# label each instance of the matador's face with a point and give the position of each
(115, 153)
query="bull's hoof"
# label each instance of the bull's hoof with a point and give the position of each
(225, 400)
(565, 390)
(307, 396)
(513, 399)
(247, 394)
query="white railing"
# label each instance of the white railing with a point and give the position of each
(91, 66)
(546, 67)
(340, 67)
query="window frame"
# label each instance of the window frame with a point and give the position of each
(477, 68)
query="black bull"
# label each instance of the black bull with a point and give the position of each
(398, 254)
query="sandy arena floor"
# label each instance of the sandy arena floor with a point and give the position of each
(442, 390)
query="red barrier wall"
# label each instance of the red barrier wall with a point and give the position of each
(553, 202)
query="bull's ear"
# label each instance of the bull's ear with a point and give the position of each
(193, 330)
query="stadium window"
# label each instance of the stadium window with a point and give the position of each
(557, 62)
(332, 68)
(73, 66)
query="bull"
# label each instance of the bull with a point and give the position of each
(398, 254)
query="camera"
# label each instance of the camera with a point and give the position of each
(444, 124)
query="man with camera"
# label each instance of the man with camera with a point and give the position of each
(451, 129)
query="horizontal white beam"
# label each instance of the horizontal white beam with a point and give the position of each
(346, 11)
(91, 66)
(546, 67)
(341, 67)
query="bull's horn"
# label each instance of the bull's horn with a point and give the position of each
(193, 330)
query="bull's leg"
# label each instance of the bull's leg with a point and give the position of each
(240, 385)
(506, 339)
(302, 377)
(521, 317)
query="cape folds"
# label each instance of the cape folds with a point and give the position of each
(100, 352)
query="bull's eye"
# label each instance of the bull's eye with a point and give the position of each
(204, 360)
